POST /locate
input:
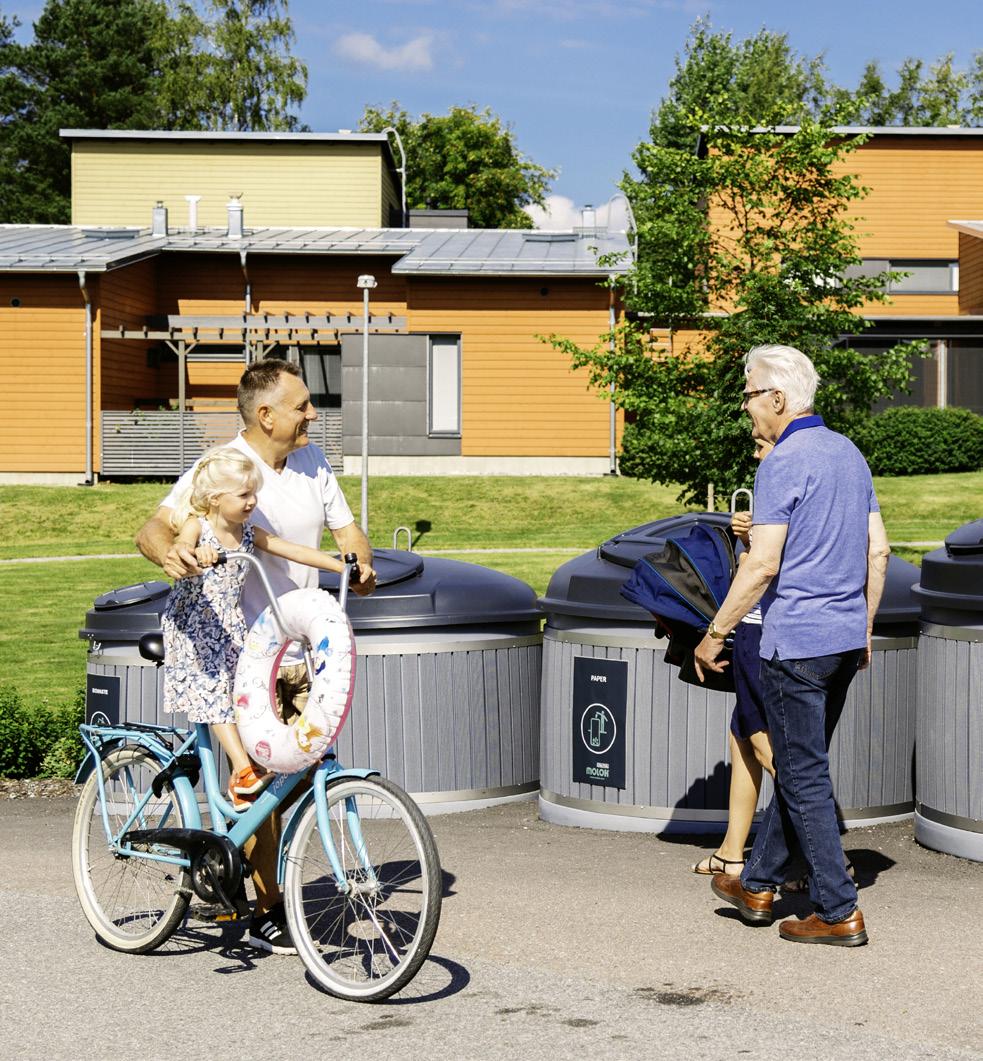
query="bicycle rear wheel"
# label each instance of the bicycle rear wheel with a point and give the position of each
(133, 903)
(364, 937)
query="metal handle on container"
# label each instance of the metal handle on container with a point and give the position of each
(734, 496)
(409, 538)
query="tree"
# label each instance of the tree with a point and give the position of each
(941, 94)
(974, 109)
(760, 75)
(745, 242)
(227, 65)
(464, 160)
(91, 65)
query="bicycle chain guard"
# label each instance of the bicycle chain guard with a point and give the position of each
(216, 864)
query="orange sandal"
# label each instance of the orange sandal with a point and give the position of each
(246, 784)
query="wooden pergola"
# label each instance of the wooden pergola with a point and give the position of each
(258, 333)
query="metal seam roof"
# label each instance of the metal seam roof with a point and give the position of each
(67, 248)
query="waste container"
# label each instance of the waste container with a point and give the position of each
(447, 682)
(625, 745)
(949, 726)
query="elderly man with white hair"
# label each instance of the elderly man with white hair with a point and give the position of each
(817, 562)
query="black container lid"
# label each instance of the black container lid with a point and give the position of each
(413, 591)
(416, 591)
(126, 613)
(589, 585)
(952, 577)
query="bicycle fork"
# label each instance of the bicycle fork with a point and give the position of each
(368, 883)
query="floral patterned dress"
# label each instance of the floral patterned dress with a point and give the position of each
(204, 630)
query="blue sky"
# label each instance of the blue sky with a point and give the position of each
(577, 79)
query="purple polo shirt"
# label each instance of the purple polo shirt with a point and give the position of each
(818, 484)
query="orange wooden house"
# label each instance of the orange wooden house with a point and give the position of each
(124, 333)
(919, 180)
(126, 341)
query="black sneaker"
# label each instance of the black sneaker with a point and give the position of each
(270, 933)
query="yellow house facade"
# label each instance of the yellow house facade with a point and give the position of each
(293, 180)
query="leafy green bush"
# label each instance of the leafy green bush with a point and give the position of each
(909, 440)
(38, 740)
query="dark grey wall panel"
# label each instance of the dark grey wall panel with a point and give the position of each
(398, 410)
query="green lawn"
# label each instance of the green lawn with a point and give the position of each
(45, 604)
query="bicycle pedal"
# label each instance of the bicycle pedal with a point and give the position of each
(217, 914)
(226, 916)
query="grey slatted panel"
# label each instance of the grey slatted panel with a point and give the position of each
(412, 711)
(974, 742)
(455, 669)
(148, 443)
(677, 750)
(433, 722)
(435, 741)
(871, 750)
(446, 721)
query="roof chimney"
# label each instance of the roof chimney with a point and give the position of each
(234, 207)
(158, 222)
(192, 201)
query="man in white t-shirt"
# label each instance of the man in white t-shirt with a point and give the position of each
(298, 498)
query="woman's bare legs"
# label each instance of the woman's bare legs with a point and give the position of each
(747, 757)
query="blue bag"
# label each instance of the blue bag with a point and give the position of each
(683, 586)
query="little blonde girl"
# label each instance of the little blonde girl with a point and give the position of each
(204, 628)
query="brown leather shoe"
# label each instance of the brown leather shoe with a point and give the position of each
(849, 932)
(754, 907)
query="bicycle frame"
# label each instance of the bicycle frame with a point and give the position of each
(159, 741)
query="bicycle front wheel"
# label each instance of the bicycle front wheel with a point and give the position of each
(363, 929)
(133, 902)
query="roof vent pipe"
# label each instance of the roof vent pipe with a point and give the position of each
(588, 221)
(193, 201)
(158, 223)
(234, 208)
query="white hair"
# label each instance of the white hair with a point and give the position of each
(785, 369)
(220, 471)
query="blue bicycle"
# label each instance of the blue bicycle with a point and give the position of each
(357, 864)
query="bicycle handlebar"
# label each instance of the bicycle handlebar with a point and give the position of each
(350, 570)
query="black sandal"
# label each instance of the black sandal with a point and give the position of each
(721, 867)
(801, 884)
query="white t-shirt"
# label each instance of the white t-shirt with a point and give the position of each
(296, 505)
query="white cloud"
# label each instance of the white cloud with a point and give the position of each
(561, 215)
(414, 55)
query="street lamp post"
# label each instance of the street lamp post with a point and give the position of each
(612, 321)
(365, 283)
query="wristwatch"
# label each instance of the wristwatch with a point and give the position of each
(713, 632)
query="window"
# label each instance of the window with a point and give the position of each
(926, 276)
(322, 374)
(444, 385)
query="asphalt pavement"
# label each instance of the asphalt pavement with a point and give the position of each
(554, 943)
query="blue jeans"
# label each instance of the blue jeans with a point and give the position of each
(803, 701)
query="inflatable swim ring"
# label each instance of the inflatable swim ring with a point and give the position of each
(316, 615)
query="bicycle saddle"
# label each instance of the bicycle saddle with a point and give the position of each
(152, 647)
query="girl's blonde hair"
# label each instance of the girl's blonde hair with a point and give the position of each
(220, 471)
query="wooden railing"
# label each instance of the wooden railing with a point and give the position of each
(165, 443)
